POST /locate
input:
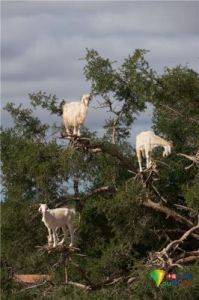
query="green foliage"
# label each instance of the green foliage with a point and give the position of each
(130, 86)
(176, 102)
(176, 117)
(25, 124)
(192, 192)
(48, 102)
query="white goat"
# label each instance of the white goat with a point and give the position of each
(146, 141)
(58, 218)
(74, 114)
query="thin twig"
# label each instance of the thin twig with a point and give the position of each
(168, 212)
(182, 207)
(174, 244)
(33, 286)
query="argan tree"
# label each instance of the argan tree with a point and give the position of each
(131, 222)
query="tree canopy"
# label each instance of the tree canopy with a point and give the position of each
(129, 220)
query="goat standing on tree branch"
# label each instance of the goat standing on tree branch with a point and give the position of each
(146, 141)
(74, 114)
(58, 218)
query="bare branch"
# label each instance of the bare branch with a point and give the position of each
(177, 230)
(106, 148)
(103, 284)
(182, 207)
(168, 212)
(158, 193)
(166, 258)
(58, 249)
(101, 190)
(179, 113)
(83, 273)
(111, 280)
(187, 254)
(33, 286)
(194, 159)
(174, 244)
(188, 259)
(79, 285)
(98, 191)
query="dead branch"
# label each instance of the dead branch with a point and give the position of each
(66, 264)
(101, 190)
(187, 259)
(89, 284)
(96, 150)
(180, 114)
(110, 281)
(168, 258)
(98, 191)
(174, 244)
(168, 212)
(83, 273)
(58, 249)
(105, 147)
(182, 207)
(187, 254)
(194, 159)
(99, 285)
(147, 178)
(102, 284)
(158, 193)
(79, 285)
(33, 286)
(177, 230)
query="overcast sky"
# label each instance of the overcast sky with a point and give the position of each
(42, 43)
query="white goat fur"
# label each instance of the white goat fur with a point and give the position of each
(146, 141)
(74, 114)
(58, 218)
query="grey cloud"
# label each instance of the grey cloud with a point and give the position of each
(43, 41)
(46, 60)
(141, 18)
(159, 16)
(64, 88)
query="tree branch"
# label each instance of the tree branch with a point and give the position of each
(174, 244)
(179, 114)
(79, 285)
(33, 286)
(168, 212)
(177, 230)
(105, 147)
(100, 190)
(194, 159)
(182, 207)
(166, 258)
(102, 284)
